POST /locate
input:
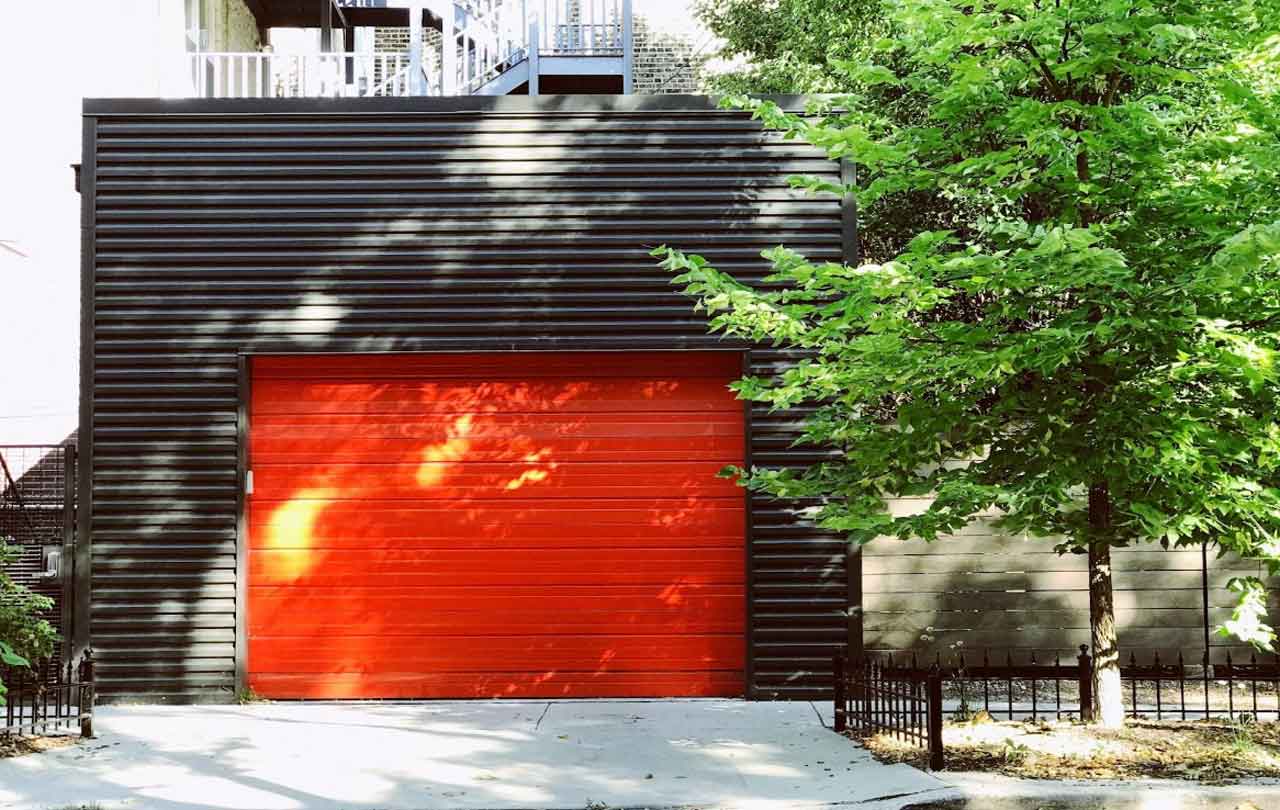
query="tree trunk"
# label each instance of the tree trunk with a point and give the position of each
(1108, 705)
(1108, 700)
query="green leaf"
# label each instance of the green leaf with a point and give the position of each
(10, 658)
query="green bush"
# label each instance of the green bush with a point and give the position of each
(25, 635)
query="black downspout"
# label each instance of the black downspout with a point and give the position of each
(1204, 599)
(852, 254)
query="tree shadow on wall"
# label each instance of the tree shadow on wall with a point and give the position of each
(492, 231)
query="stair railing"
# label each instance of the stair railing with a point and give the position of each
(492, 40)
(581, 27)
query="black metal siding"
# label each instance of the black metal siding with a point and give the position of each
(226, 228)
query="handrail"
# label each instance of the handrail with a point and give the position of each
(581, 27)
(395, 84)
(494, 37)
(492, 40)
(266, 74)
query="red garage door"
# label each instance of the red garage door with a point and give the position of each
(485, 525)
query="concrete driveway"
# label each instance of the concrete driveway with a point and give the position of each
(497, 755)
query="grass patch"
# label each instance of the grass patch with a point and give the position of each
(247, 696)
(1213, 752)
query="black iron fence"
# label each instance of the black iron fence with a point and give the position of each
(875, 697)
(908, 700)
(48, 697)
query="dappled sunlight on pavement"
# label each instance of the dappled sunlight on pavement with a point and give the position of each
(428, 755)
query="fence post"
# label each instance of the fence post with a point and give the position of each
(37, 692)
(1085, 676)
(934, 708)
(86, 694)
(838, 674)
(41, 702)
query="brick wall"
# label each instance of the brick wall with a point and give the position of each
(396, 40)
(392, 40)
(671, 46)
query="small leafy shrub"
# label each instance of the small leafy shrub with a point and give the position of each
(25, 635)
(1242, 733)
(10, 659)
(1014, 753)
(249, 695)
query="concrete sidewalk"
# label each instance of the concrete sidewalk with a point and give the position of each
(495, 755)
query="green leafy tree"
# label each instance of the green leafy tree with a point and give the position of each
(25, 635)
(789, 46)
(1078, 327)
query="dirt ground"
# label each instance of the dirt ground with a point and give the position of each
(18, 746)
(1212, 752)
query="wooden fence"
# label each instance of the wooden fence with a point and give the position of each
(982, 589)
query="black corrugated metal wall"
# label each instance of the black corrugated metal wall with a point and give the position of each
(215, 229)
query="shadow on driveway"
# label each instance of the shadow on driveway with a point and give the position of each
(492, 755)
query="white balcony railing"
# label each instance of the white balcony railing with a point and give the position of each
(580, 27)
(493, 37)
(304, 75)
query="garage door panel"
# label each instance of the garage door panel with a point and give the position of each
(318, 618)
(633, 523)
(469, 481)
(401, 685)
(343, 428)
(496, 525)
(498, 653)
(334, 450)
(659, 562)
(490, 365)
(572, 597)
(426, 566)
(464, 401)
(415, 579)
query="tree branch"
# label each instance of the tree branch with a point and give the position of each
(1045, 70)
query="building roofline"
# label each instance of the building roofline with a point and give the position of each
(568, 104)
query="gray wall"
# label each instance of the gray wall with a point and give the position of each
(985, 590)
(219, 228)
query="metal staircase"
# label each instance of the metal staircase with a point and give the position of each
(485, 47)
